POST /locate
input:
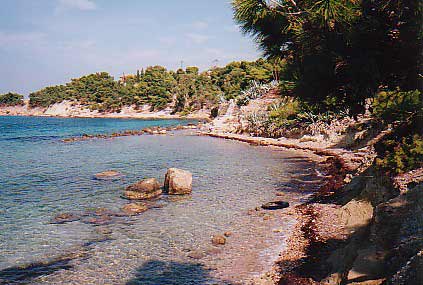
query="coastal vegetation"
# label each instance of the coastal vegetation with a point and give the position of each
(11, 99)
(352, 89)
(187, 90)
(340, 56)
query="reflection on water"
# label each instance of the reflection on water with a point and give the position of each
(42, 178)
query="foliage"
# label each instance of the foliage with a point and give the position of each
(277, 120)
(187, 90)
(397, 105)
(47, 96)
(402, 156)
(339, 52)
(11, 99)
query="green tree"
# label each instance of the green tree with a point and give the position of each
(11, 99)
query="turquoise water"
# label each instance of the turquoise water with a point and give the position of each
(41, 177)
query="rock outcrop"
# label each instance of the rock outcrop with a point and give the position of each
(178, 182)
(144, 189)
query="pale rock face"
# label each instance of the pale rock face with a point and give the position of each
(178, 181)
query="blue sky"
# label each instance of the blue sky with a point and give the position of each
(47, 42)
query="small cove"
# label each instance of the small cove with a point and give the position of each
(44, 177)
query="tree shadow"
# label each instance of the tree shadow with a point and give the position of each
(157, 272)
(24, 274)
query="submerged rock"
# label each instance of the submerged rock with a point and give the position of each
(275, 205)
(178, 181)
(218, 240)
(108, 175)
(134, 208)
(65, 218)
(144, 189)
(98, 220)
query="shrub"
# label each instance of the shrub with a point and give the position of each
(402, 156)
(397, 105)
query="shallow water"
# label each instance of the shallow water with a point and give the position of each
(41, 176)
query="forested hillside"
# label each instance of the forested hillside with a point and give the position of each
(188, 89)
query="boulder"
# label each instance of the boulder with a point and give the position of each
(218, 240)
(144, 189)
(178, 181)
(108, 175)
(145, 186)
(134, 208)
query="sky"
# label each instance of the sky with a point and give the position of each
(48, 42)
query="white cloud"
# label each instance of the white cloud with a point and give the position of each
(84, 5)
(197, 38)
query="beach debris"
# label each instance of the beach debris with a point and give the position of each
(218, 240)
(275, 205)
(134, 208)
(178, 181)
(142, 190)
(108, 175)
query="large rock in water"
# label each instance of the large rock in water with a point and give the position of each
(144, 189)
(178, 181)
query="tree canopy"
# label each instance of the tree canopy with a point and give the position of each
(339, 51)
(11, 99)
(187, 90)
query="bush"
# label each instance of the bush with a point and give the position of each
(397, 105)
(11, 99)
(402, 156)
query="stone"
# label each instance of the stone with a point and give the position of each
(178, 181)
(143, 190)
(134, 195)
(146, 186)
(275, 205)
(98, 220)
(218, 240)
(227, 234)
(108, 175)
(134, 208)
(65, 218)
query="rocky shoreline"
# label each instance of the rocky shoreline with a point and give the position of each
(341, 232)
(341, 228)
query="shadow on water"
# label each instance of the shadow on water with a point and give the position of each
(156, 272)
(24, 274)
